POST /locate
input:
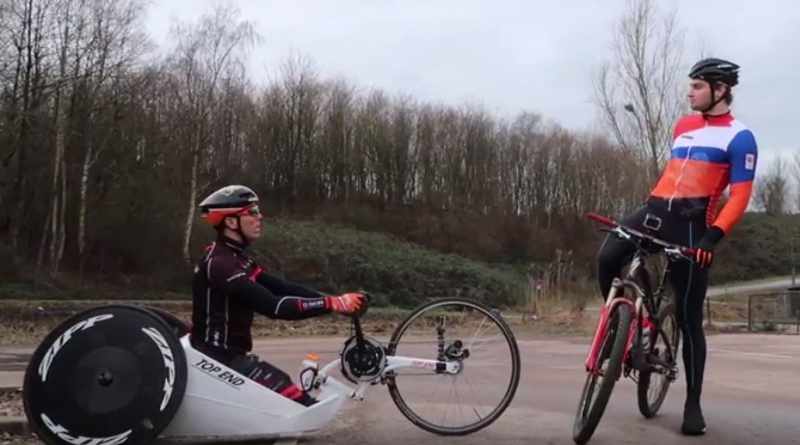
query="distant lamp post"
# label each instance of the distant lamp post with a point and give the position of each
(632, 110)
(794, 257)
(645, 136)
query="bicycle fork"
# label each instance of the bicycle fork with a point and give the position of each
(592, 362)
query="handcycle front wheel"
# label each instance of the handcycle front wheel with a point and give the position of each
(479, 340)
(597, 389)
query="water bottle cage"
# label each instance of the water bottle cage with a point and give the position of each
(307, 384)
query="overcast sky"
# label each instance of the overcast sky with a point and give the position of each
(512, 56)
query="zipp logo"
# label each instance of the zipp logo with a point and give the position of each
(169, 362)
(51, 353)
(66, 436)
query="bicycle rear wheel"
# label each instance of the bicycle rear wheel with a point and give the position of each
(474, 336)
(597, 389)
(663, 345)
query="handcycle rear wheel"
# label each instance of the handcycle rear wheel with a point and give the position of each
(109, 375)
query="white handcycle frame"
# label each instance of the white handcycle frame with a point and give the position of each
(222, 404)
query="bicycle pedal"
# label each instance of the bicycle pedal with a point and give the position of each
(639, 361)
(672, 373)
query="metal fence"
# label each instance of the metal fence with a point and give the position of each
(769, 310)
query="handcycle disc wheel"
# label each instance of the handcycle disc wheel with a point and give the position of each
(653, 386)
(110, 375)
(597, 389)
(475, 337)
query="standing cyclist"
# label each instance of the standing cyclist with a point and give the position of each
(229, 286)
(711, 151)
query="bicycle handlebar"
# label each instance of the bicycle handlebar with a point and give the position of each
(602, 219)
(356, 317)
(627, 233)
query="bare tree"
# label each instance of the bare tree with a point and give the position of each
(204, 53)
(70, 24)
(796, 171)
(639, 91)
(772, 189)
(114, 45)
(337, 140)
(97, 141)
(24, 35)
(303, 101)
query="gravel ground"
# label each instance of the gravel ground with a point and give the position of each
(11, 404)
(13, 439)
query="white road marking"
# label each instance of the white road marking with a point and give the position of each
(753, 354)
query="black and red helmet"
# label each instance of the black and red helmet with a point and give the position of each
(228, 201)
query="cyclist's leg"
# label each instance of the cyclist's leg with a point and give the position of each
(615, 253)
(271, 377)
(611, 258)
(690, 283)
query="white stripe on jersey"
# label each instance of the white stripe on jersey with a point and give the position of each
(712, 136)
(225, 340)
(208, 290)
(208, 300)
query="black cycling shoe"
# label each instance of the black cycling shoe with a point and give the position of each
(306, 400)
(693, 422)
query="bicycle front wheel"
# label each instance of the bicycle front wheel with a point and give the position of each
(598, 387)
(482, 347)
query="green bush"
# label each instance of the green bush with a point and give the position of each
(8, 267)
(398, 273)
(759, 246)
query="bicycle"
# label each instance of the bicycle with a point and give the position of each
(636, 336)
(128, 374)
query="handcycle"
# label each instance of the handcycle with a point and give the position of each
(124, 374)
(637, 335)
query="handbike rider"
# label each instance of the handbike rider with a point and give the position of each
(229, 286)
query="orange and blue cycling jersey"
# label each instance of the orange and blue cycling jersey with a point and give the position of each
(710, 153)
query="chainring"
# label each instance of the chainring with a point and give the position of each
(365, 362)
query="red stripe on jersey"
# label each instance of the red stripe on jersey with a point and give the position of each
(256, 272)
(686, 178)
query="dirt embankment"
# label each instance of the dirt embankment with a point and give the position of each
(27, 322)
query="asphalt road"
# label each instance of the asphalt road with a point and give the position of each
(752, 287)
(752, 395)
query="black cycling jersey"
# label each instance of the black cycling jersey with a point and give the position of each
(228, 287)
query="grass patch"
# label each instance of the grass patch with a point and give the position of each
(397, 273)
(333, 259)
(33, 291)
(25, 322)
